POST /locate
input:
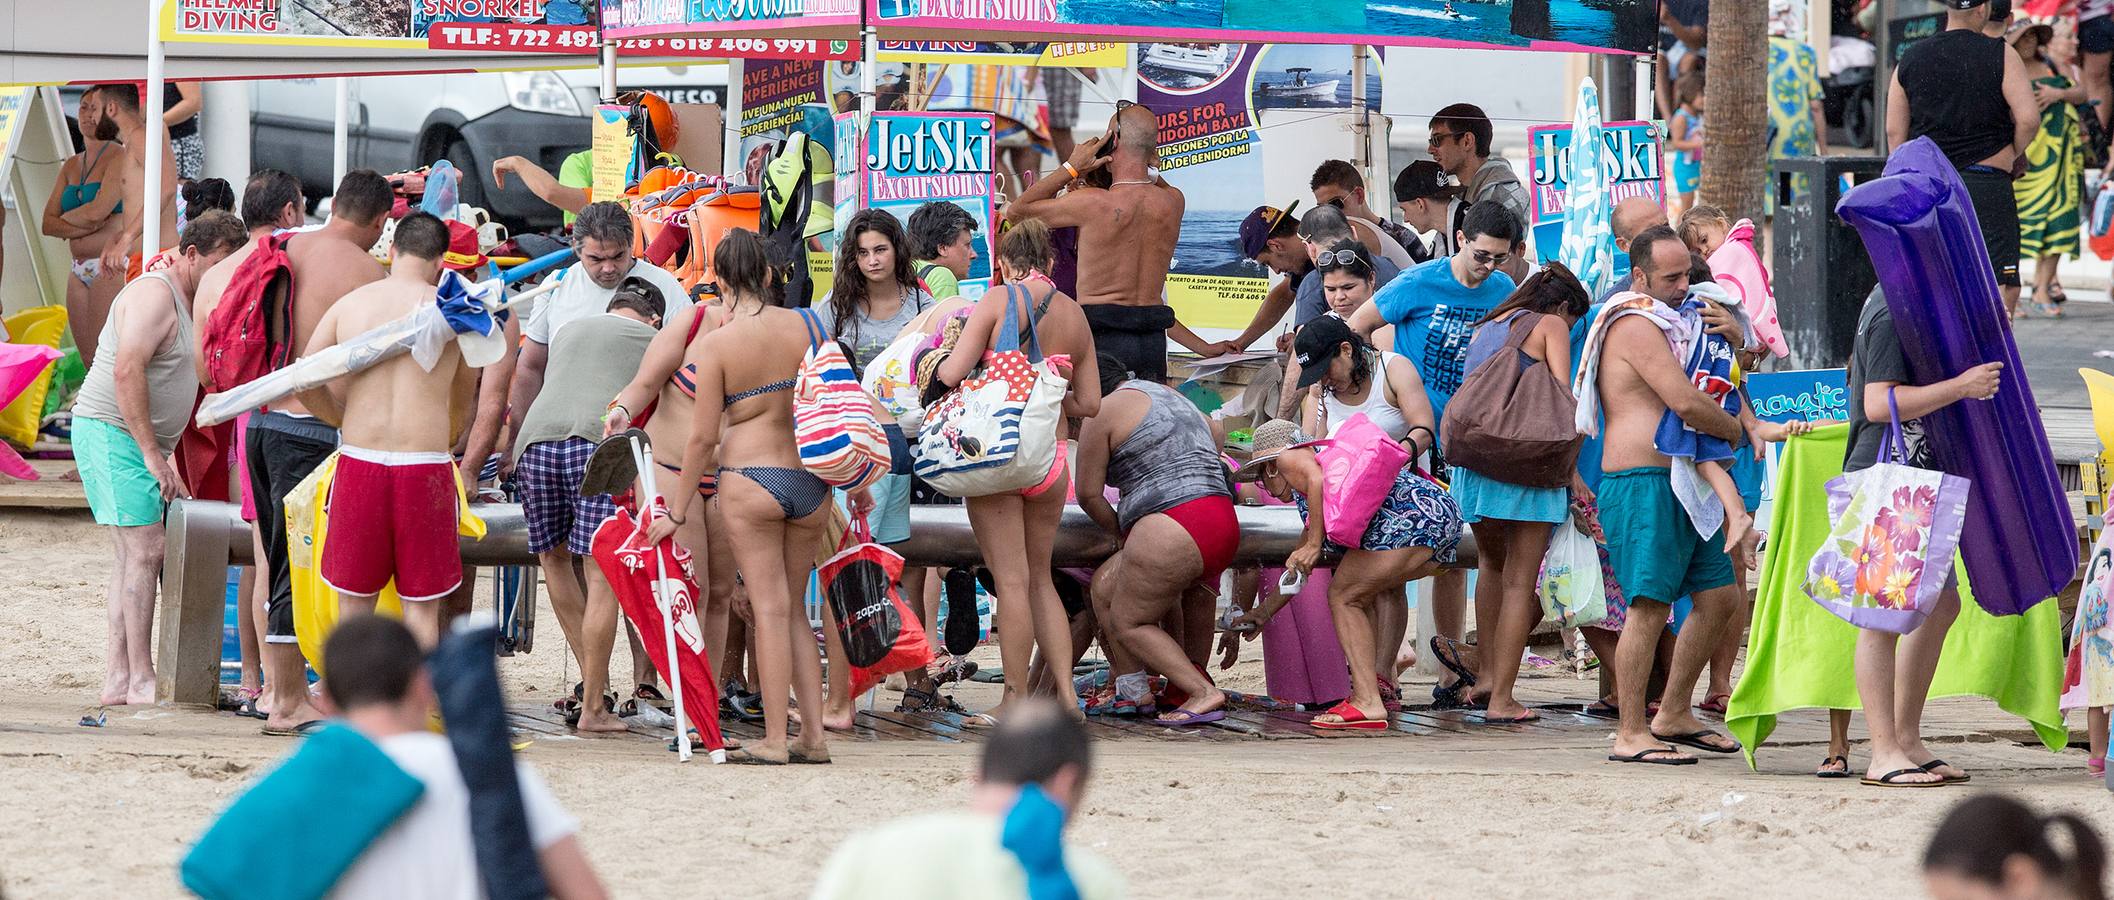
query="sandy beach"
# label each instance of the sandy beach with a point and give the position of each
(111, 811)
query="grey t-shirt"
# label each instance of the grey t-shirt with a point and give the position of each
(868, 337)
(591, 361)
(1876, 356)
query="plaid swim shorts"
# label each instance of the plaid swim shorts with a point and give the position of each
(549, 476)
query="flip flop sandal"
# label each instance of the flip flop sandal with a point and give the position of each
(1390, 695)
(1602, 709)
(1656, 756)
(1893, 779)
(800, 758)
(1350, 718)
(1695, 739)
(248, 709)
(1448, 696)
(1935, 764)
(302, 730)
(955, 668)
(1825, 772)
(1182, 718)
(746, 757)
(980, 720)
(1527, 719)
(1447, 652)
(1715, 703)
(652, 695)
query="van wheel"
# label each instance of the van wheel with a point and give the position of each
(473, 176)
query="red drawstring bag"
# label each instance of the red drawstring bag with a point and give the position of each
(628, 562)
(881, 635)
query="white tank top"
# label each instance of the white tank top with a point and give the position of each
(1379, 405)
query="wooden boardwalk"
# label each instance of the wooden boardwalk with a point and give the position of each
(52, 489)
(1563, 721)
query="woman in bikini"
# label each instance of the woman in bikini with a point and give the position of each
(1415, 530)
(659, 401)
(1017, 531)
(741, 448)
(81, 179)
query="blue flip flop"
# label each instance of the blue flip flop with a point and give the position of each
(1182, 718)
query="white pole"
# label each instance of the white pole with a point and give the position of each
(609, 71)
(150, 107)
(648, 499)
(868, 44)
(1364, 130)
(341, 130)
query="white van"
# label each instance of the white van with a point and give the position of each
(405, 121)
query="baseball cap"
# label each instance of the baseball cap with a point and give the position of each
(1424, 179)
(1317, 341)
(463, 249)
(1264, 223)
(1965, 4)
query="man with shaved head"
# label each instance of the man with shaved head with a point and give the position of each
(1631, 218)
(1127, 234)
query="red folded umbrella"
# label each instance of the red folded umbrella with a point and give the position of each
(635, 573)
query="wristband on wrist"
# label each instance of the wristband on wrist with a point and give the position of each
(1070, 170)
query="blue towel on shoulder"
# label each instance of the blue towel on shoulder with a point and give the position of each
(317, 812)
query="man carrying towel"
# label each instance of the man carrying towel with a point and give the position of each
(1008, 843)
(1631, 373)
(1127, 235)
(378, 683)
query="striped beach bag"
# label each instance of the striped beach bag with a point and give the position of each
(834, 425)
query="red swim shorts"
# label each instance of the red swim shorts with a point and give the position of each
(1217, 531)
(393, 515)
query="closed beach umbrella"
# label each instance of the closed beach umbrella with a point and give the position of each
(1589, 207)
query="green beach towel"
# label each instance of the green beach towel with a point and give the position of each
(1800, 656)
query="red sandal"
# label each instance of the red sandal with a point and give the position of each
(1351, 719)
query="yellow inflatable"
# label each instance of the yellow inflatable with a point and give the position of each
(44, 325)
(307, 525)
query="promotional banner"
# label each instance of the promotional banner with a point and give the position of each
(1218, 105)
(489, 26)
(1625, 26)
(1077, 55)
(780, 97)
(833, 19)
(14, 106)
(918, 158)
(1811, 395)
(1641, 172)
(612, 150)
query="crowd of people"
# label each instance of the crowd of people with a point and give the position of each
(1389, 326)
(1428, 344)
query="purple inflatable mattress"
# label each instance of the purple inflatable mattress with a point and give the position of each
(1918, 225)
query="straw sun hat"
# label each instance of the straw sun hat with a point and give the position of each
(1272, 439)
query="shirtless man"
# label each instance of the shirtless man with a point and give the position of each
(1127, 235)
(287, 442)
(395, 511)
(271, 201)
(122, 122)
(1655, 552)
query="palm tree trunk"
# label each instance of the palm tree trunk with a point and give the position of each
(1735, 159)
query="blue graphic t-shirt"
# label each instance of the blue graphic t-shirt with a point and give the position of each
(1434, 317)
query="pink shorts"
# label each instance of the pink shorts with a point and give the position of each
(393, 515)
(242, 468)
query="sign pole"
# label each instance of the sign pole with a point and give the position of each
(340, 129)
(1364, 158)
(157, 135)
(609, 71)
